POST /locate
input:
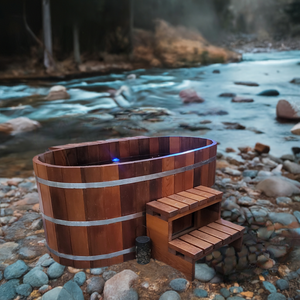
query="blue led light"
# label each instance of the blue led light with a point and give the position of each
(115, 159)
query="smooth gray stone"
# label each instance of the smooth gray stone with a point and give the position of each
(16, 270)
(55, 270)
(204, 273)
(24, 289)
(80, 278)
(8, 289)
(235, 290)
(48, 262)
(36, 277)
(250, 173)
(269, 287)
(282, 218)
(200, 293)
(170, 295)
(57, 293)
(179, 284)
(74, 290)
(42, 259)
(108, 274)
(26, 253)
(283, 200)
(219, 297)
(95, 284)
(276, 296)
(282, 284)
(224, 292)
(297, 215)
(97, 271)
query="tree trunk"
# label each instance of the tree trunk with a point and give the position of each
(76, 44)
(48, 61)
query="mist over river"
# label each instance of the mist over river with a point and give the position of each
(91, 114)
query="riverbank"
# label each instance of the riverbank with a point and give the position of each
(261, 193)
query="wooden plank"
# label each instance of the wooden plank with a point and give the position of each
(182, 207)
(186, 248)
(201, 200)
(168, 181)
(230, 225)
(192, 203)
(222, 228)
(207, 238)
(163, 209)
(196, 242)
(189, 175)
(221, 235)
(209, 190)
(209, 196)
(179, 162)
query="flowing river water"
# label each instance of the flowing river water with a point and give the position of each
(90, 114)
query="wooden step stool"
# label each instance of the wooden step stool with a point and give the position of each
(187, 226)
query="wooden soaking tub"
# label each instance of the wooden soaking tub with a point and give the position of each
(93, 205)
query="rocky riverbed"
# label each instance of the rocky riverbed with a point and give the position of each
(261, 192)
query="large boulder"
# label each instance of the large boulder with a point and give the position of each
(58, 92)
(277, 186)
(19, 125)
(119, 284)
(296, 129)
(286, 110)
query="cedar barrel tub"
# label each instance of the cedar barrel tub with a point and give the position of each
(93, 195)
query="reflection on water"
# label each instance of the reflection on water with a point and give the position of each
(90, 114)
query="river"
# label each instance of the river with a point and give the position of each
(91, 115)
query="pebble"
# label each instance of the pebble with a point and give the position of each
(6, 250)
(97, 271)
(55, 270)
(24, 290)
(45, 288)
(235, 290)
(42, 259)
(250, 173)
(232, 172)
(247, 201)
(80, 278)
(48, 262)
(283, 270)
(269, 93)
(200, 293)
(282, 284)
(8, 289)
(36, 277)
(170, 295)
(269, 287)
(108, 274)
(282, 218)
(95, 296)
(179, 284)
(95, 284)
(276, 296)
(204, 273)
(283, 201)
(242, 100)
(16, 270)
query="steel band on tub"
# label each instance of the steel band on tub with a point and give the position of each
(93, 185)
(91, 258)
(94, 223)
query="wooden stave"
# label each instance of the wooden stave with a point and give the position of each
(161, 164)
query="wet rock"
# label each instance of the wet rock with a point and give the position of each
(205, 122)
(118, 284)
(193, 127)
(241, 100)
(190, 96)
(283, 201)
(233, 125)
(276, 186)
(179, 284)
(295, 81)
(286, 110)
(269, 93)
(227, 95)
(200, 293)
(26, 253)
(213, 112)
(6, 250)
(24, 290)
(229, 150)
(108, 274)
(170, 295)
(55, 270)
(80, 278)
(248, 83)
(282, 284)
(8, 289)
(36, 277)
(292, 167)
(269, 287)
(204, 273)
(276, 296)
(216, 71)
(95, 284)
(19, 125)
(74, 290)
(16, 270)
(261, 148)
(57, 92)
